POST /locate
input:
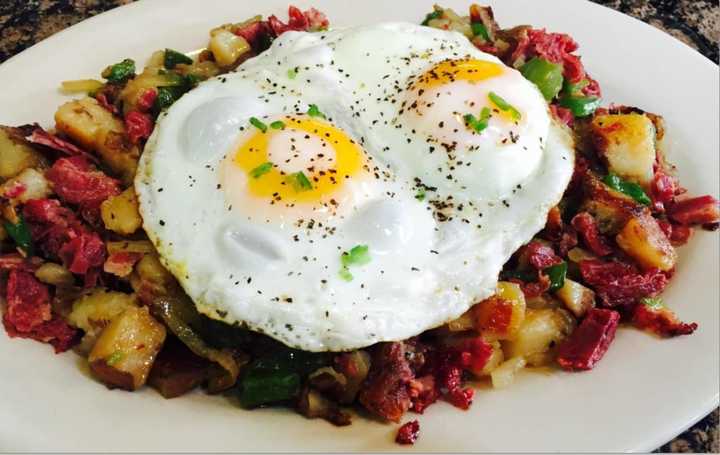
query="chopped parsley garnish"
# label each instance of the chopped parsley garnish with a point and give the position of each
(261, 170)
(20, 233)
(277, 125)
(478, 124)
(172, 58)
(479, 29)
(314, 111)
(300, 182)
(114, 358)
(292, 73)
(653, 302)
(358, 255)
(504, 105)
(254, 121)
(420, 195)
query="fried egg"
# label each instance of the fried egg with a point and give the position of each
(351, 186)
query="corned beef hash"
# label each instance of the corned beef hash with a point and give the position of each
(324, 217)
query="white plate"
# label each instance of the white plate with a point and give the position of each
(645, 390)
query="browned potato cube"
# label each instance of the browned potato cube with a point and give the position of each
(120, 213)
(15, 156)
(627, 142)
(576, 297)
(610, 208)
(644, 241)
(500, 316)
(126, 349)
(541, 330)
(95, 128)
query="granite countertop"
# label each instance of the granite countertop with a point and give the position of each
(695, 22)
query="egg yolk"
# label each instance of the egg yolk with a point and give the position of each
(298, 159)
(448, 71)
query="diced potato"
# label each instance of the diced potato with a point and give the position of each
(227, 47)
(578, 255)
(500, 316)
(15, 156)
(151, 279)
(541, 330)
(34, 185)
(611, 209)
(627, 142)
(643, 240)
(496, 358)
(150, 78)
(95, 128)
(504, 375)
(125, 351)
(55, 274)
(120, 213)
(576, 297)
(94, 311)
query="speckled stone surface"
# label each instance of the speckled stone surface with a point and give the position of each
(695, 22)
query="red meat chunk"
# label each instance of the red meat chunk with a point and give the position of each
(75, 182)
(83, 251)
(589, 342)
(660, 321)
(698, 210)
(541, 256)
(386, 389)
(408, 433)
(121, 263)
(297, 21)
(585, 224)
(139, 126)
(146, 101)
(617, 283)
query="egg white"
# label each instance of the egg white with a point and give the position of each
(243, 268)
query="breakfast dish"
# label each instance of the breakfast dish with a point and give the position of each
(319, 218)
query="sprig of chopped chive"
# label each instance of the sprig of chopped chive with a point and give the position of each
(358, 255)
(277, 125)
(478, 124)
(254, 121)
(300, 182)
(292, 73)
(420, 195)
(261, 170)
(504, 105)
(314, 111)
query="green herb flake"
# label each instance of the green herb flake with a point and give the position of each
(314, 111)
(420, 195)
(261, 170)
(254, 121)
(631, 189)
(358, 255)
(345, 274)
(431, 16)
(277, 125)
(504, 105)
(478, 124)
(20, 233)
(172, 58)
(120, 72)
(479, 29)
(300, 182)
(556, 273)
(652, 302)
(292, 73)
(114, 358)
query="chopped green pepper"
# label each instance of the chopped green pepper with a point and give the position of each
(430, 16)
(176, 86)
(261, 170)
(504, 105)
(556, 273)
(479, 29)
(120, 72)
(571, 89)
(20, 233)
(527, 276)
(278, 376)
(545, 74)
(257, 123)
(653, 302)
(633, 190)
(173, 58)
(300, 182)
(580, 106)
